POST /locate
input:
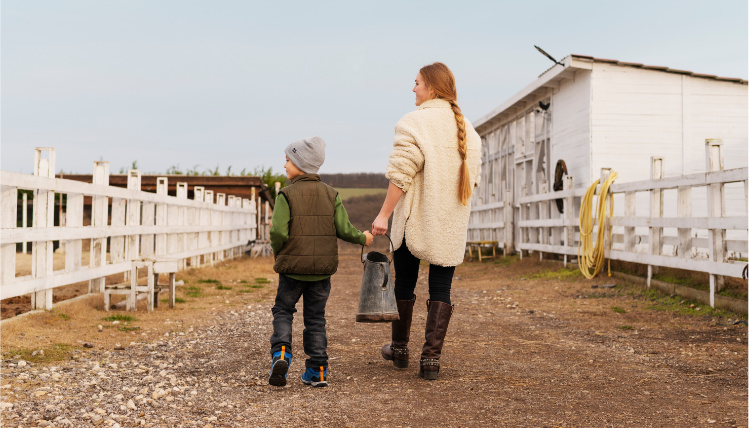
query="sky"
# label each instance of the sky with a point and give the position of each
(229, 83)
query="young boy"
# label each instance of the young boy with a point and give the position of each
(307, 219)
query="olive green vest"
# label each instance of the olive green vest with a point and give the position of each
(312, 248)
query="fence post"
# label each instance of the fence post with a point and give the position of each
(254, 207)
(74, 218)
(509, 225)
(630, 212)
(9, 220)
(232, 221)
(162, 213)
(147, 241)
(219, 221)
(656, 211)
(684, 210)
(569, 215)
(245, 219)
(133, 216)
(24, 221)
(178, 217)
(193, 217)
(99, 208)
(117, 244)
(716, 207)
(523, 216)
(605, 173)
(44, 216)
(206, 216)
(543, 214)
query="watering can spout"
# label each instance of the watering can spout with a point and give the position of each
(377, 296)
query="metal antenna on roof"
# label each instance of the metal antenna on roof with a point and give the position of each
(548, 56)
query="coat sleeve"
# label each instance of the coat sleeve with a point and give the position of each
(478, 176)
(406, 159)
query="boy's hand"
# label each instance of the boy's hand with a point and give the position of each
(369, 237)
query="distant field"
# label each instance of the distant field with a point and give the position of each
(347, 193)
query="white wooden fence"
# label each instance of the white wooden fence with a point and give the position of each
(688, 241)
(138, 225)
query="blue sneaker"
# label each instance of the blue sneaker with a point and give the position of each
(279, 367)
(314, 377)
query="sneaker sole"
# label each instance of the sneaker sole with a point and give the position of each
(315, 384)
(278, 373)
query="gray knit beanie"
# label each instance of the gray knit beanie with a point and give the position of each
(307, 154)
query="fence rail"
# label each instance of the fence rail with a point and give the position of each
(125, 224)
(705, 243)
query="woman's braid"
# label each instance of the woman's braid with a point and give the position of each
(461, 129)
(464, 186)
(440, 80)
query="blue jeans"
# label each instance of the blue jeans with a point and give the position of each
(314, 337)
(407, 272)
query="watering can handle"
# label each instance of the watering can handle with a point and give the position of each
(361, 257)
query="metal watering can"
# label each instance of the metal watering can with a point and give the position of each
(377, 297)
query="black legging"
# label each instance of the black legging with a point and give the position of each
(407, 272)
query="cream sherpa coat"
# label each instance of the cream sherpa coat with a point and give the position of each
(425, 163)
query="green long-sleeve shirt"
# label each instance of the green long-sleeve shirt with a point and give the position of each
(279, 231)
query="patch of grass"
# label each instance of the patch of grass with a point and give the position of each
(561, 274)
(120, 317)
(246, 291)
(672, 279)
(346, 193)
(243, 281)
(223, 287)
(54, 353)
(128, 328)
(625, 327)
(507, 260)
(618, 309)
(733, 294)
(176, 300)
(681, 306)
(256, 286)
(66, 317)
(262, 281)
(209, 281)
(193, 291)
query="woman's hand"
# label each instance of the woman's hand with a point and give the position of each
(380, 225)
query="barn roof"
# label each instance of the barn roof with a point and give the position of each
(551, 78)
(657, 68)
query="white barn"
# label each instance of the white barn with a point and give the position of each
(595, 113)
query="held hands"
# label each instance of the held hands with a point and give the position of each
(369, 238)
(380, 225)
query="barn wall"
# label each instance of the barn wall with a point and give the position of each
(639, 113)
(570, 126)
(636, 114)
(715, 110)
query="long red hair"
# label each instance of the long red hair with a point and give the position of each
(440, 80)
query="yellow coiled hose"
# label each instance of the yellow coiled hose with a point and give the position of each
(589, 256)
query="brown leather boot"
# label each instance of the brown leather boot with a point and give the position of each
(438, 318)
(397, 350)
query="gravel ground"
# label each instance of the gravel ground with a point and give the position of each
(519, 352)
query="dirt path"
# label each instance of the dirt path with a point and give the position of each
(525, 348)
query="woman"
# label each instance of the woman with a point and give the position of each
(433, 169)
